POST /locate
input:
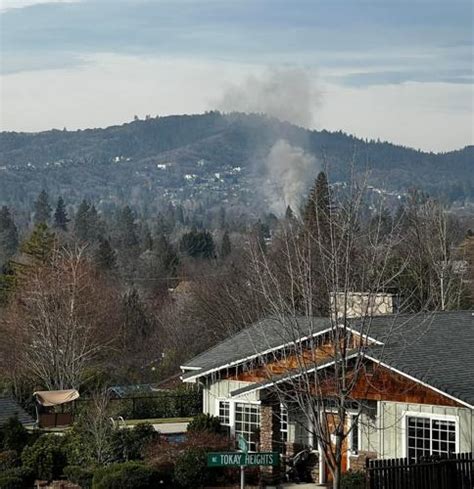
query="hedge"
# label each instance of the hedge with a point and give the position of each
(129, 475)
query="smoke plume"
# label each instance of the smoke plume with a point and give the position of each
(288, 95)
(290, 171)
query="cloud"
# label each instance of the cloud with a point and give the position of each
(12, 4)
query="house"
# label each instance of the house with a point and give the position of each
(414, 394)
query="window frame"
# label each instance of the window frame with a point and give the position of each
(432, 417)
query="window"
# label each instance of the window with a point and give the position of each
(354, 438)
(247, 422)
(427, 436)
(224, 412)
(283, 424)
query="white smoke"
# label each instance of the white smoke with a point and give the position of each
(290, 170)
(289, 95)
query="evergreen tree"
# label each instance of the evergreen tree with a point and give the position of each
(198, 244)
(226, 246)
(318, 208)
(60, 215)
(40, 245)
(166, 254)
(126, 229)
(145, 238)
(289, 214)
(105, 256)
(8, 236)
(42, 209)
(137, 325)
(82, 221)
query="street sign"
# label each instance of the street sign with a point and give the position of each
(239, 459)
(243, 444)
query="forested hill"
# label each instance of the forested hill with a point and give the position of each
(157, 155)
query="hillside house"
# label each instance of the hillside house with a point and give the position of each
(415, 396)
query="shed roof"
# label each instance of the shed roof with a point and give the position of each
(10, 408)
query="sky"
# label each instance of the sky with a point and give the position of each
(397, 70)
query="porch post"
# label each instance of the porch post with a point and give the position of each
(270, 438)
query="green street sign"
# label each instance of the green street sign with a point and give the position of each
(243, 444)
(239, 459)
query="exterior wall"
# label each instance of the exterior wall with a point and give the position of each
(389, 439)
(221, 390)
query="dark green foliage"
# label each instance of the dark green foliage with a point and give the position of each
(60, 215)
(8, 460)
(40, 245)
(87, 225)
(42, 209)
(13, 435)
(353, 480)
(79, 475)
(191, 470)
(46, 457)
(317, 211)
(166, 254)
(129, 475)
(8, 236)
(198, 244)
(17, 478)
(226, 247)
(105, 256)
(205, 422)
(126, 229)
(130, 444)
(137, 323)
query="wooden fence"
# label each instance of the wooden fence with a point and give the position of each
(453, 472)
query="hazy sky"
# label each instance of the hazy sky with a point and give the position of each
(398, 70)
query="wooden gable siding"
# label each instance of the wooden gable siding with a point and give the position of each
(292, 360)
(382, 384)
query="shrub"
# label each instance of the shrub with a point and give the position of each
(79, 475)
(8, 460)
(205, 422)
(46, 457)
(130, 444)
(13, 435)
(129, 475)
(191, 470)
(17, 478)
(353, 480)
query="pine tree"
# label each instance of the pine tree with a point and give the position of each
(126, 229)
(105, 256)
(137, 325)
(40, 245)
(166, 254)
(226, 246)
(318, 208)
(8, 236)
(289, 214)
(82, 221)
(60, 215)
(42, 209)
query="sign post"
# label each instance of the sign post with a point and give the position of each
(244, 448)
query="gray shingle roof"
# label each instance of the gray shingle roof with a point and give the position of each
(436, 348)
(10, 408)
(264, 335)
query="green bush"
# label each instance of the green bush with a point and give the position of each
(17, 478)
(13, 435)
(205, 422)
(353, 480)
(129, 475)
(129, 444)
(8, 460)
(190, 470)
(46, 457)
(79, 475)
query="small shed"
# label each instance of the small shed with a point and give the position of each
(46, 402)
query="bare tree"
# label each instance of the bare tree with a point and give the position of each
(336, 265)
(61, 321)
